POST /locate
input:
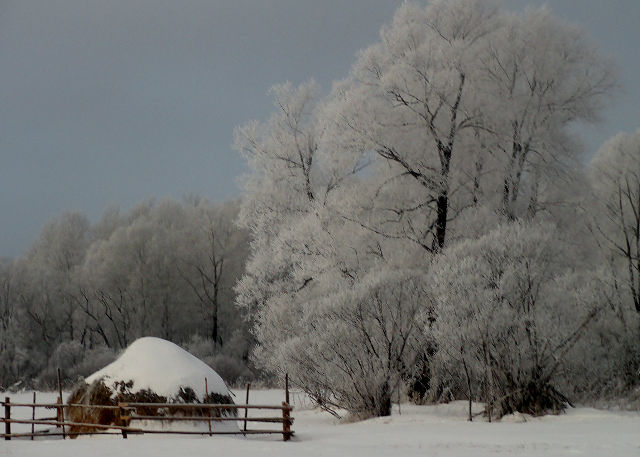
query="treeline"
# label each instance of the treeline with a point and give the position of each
(432, 227)
(84, 291)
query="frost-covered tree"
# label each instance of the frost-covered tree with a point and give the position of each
(361, 342)
(9, 327)
(211, 254)
(508, 310)
(82, 292)
(41, 286)
(457, 117)
(541, 76)
(49, 269)
(302, 253)
(280, 186)
(159, 267)
(411, 103)
(461, 105)
(615, 221)
(118, 271)
(615, 173)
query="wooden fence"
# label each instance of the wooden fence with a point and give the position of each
(129, 413)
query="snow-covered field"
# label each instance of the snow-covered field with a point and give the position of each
(418, 430)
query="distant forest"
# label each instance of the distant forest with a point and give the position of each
(83, 292)
(430, 229)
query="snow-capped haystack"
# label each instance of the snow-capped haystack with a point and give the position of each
(161, 366)
(150, 370)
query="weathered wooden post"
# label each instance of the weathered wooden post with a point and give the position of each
(246, 410)
(7, 419)
(286, 388)
(286, 411)
(60, 416)
(60, 408)
(123, 420)
(206, 394)
(33, 416)
(286, 422)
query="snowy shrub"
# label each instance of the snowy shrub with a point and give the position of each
(359, 343)
(65, 356)
(605, 365)
(230, 360)
(75, 362)
(616, 214)
(94, 359)
(507, 313)
(613, 358)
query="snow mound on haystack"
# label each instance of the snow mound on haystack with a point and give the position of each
(163, 367)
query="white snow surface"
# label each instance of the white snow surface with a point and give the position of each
(438, 431)
(159, 365)
(419, 431)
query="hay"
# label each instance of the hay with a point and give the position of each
(99, 394)
(95, 394)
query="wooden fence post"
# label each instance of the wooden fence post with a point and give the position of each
(7, 418)
(286, 388)
(286, 411)
(206, 394)
(286, 422)
(246, 410)
(33, 416)
(122, 421)
(60, 416)
(61, 412)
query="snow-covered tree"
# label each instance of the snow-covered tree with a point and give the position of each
(542, 76)
(162, 265)
(9, 328)
(49, 270)
(83, 291)
(211, 255)
(615, 222)
(508, 310)
(281, 186)
(456, 118)
(411, 103)
(615, 173)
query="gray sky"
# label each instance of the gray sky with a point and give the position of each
(114, 101)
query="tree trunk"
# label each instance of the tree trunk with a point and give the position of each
(214, 327)
(441, 218)
(383, 402)
(442, 202)
(445, 151)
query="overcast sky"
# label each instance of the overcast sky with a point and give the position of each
(115, 101)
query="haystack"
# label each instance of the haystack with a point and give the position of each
(150, 370)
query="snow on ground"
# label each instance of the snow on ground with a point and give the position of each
(148, 361)
(418, 431)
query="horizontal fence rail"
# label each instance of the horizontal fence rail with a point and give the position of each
(128, 413)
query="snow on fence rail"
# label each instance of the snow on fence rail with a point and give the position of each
(128, 413)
